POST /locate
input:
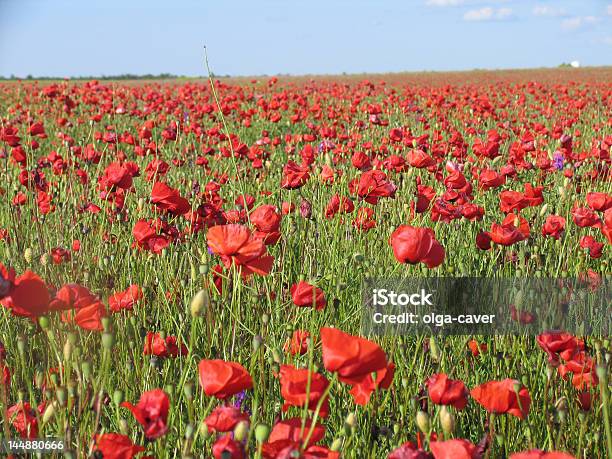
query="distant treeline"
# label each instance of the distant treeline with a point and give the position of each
(124, 76)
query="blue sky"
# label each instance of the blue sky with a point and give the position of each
(256, 37)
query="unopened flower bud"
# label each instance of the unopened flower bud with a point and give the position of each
(241, 431)
(422, 422)
(199, 303)
(447, 420)
(262, 432)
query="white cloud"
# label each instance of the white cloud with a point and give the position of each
(443, 2)
(546, 10)
(609, 9)
(578, 22)
(488, 14)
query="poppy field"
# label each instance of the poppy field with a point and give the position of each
(182, 262)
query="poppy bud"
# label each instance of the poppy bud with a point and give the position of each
(241, 431)
(118, 397)
(305, 209)
(602, 374)
(189, 431)
(188, 390)
(141, 203)
(123, 427)
(434, 350)
(86, 369)
(192, 272)
(106, 323)
(199, 303)
(27, 255)
(422, 422)
(543, 210)
(108, 340)
(337, 445)
(351, 420)
(68, 348)
(39, 378)
(61, 395)
(447, 420)
(49, 412)
(21, 345)
(257, 342)
(265, 318)
(43, 321)
(262, 432)
(203, 268)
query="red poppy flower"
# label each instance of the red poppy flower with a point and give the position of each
(599, 201)
(236, 245)
(160, 347)
(23, 419)
(294, 388)
(506, 235)
(223, 379)
(298, 344)
(227, 448)
(444, 391)
(290, 429)
(169, 199)
(413, 245)
(585, 217)
(224, 418)
(475, 348)
(29, 296)
(454, 449)
(304, 294)
(126, 299)
(553, 226)
(373, 185)
(294, 176)
(151, 412)
(595, 248)
(116, 446)
(266, 220)
(499, 397)
(409, 451)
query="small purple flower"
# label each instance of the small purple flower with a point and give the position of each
(326, 145)
(210, 252)
(558, 160)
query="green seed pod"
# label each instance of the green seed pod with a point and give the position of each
(199, 303)
(265, 319)
(118, 397)
(189, 431)
(67, 351)
(337, 444)
(257, 342)
(44, 322)
(262, 432)
(123, 427)
(86, 369)
(423, 422)
(49, 412)
(434, 350)
(351, 420)
(21, 345)
(62, 395)
(188, 390)
(241, 431)
(108, 340)
(277, 356)
(447, 420)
